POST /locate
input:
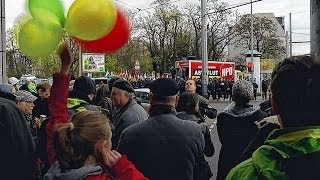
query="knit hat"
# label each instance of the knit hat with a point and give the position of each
(242, 91)
(164, 87)
(5, 87)
(123, 85)
(85, 85)
(26, 96)
(13, 80)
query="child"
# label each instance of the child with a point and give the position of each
(82, 146)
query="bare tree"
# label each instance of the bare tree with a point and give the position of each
(192, 14)
(265, 38)
(219, 31)
(17, 63)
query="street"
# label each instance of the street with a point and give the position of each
(220, 106)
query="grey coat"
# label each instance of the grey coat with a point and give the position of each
(163, 146)
(129, 114)
(209, 148)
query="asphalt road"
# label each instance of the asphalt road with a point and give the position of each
(220, 106)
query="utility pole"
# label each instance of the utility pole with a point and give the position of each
(287, 44)
(204, 42)
(3, 62)
(315, 28)
(80, 62)
(252, 42)
(290, 32)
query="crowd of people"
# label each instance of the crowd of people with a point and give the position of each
(70, 130)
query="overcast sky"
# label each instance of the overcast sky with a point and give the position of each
(300, 10)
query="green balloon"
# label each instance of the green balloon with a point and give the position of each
(38, 38)
(54, 6)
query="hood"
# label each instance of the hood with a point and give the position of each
(281, 145)
(55, 173)
(79, 95)
(185, 116)
(237, 111)
(5, 87)
(32, 87)
(7, 96)
(73, 102)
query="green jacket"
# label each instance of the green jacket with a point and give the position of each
(266, 162)
(75, 105)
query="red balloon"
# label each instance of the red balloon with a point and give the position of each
(111, 42)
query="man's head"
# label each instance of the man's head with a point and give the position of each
(164, 91)
(190, 86)
(242, 92)
(295, 87)
(43, 89)
(24, 100)
(121, 92)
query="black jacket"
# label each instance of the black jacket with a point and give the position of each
(17, 145)
(8, 96)
(40, 107)
(163, 146)
(236, 128)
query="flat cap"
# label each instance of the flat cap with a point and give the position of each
(123, 85)
(164, 87)
(26, 96)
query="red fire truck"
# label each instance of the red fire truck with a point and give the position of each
(216, 69)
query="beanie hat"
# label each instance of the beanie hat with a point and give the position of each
(85, 85)
(13, 80)
(5, 87)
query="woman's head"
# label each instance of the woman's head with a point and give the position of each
(242, 92)
(78, 140)
(188, 102)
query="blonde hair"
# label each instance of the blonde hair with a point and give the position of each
(76, 141)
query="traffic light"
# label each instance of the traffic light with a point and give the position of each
(250, 66)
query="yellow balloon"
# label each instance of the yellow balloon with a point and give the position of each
(38, 38)
(90, 20)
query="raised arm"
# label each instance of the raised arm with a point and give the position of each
(58, 101)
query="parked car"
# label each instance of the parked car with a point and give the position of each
(26, 78)
(99, 81)
(143, 95)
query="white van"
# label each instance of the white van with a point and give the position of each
(26, 78)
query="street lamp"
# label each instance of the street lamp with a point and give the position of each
(251, 40)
